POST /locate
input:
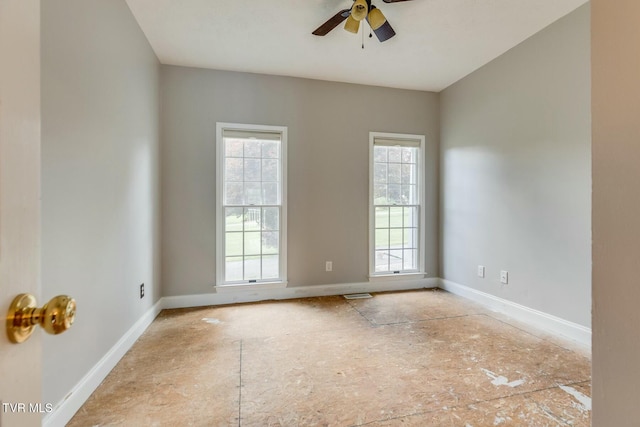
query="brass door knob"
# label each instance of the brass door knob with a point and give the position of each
(55, 317)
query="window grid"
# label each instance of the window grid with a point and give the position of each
(265, 230)
(407, 246)
(396, 208)
(251, 188)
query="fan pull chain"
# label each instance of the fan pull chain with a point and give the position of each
(362, 36)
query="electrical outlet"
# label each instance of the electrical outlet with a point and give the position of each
(481, 271)
(504, 277)
(328, 266)
(142, 290)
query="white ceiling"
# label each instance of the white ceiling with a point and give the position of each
(437, 43)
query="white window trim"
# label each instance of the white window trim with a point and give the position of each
(386, 277)
(421, 202)
(220, 262)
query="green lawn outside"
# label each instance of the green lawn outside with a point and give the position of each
(253, 237)
(389, 222)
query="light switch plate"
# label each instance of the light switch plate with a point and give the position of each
(481, 271)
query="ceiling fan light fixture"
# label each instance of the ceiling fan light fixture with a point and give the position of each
(376, 18)
(352, 25)
(359, 10)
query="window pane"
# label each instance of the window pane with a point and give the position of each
(270, 149)
(252, 219)
(394, 197)
(395, 217)
(233, 244)
(252, 267)
(252, 148)
(394, 154)
(233, 219)
(233, 147)
(380, 173)
(395, 260)
(408, 174)
(252, 243)
(270, 242)
(408, 194)
(252, 170)
(380, 194)
(395, 238)
(270, 170)
(409, 155)
(233, 193)
(382, 238)
(233, 169)
(270, 193)
(395, 173)
(382, 261)
(233, 269)
(252, 193)
(270, 219)
(379, 154)
(410, 261)
(410, 238)
(271, 267)
(382, 217)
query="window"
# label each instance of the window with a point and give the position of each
(396, 204)
(251, 204)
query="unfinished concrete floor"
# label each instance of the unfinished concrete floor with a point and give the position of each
(419, 358)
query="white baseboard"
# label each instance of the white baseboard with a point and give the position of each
(240, 296)
(65, 410)
(535, 318)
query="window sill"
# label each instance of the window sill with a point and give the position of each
(247, 287)
(399, 276)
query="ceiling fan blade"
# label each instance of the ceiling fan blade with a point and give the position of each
(384, 32)
(393, 1)
(332, 22)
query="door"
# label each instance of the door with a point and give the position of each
(20, 372)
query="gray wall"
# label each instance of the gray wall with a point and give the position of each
(616, 212)
(329, 126)
(100, 184)
(515, 159)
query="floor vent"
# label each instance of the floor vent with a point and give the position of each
(357, 296)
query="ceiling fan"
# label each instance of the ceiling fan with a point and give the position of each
(361, 9)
